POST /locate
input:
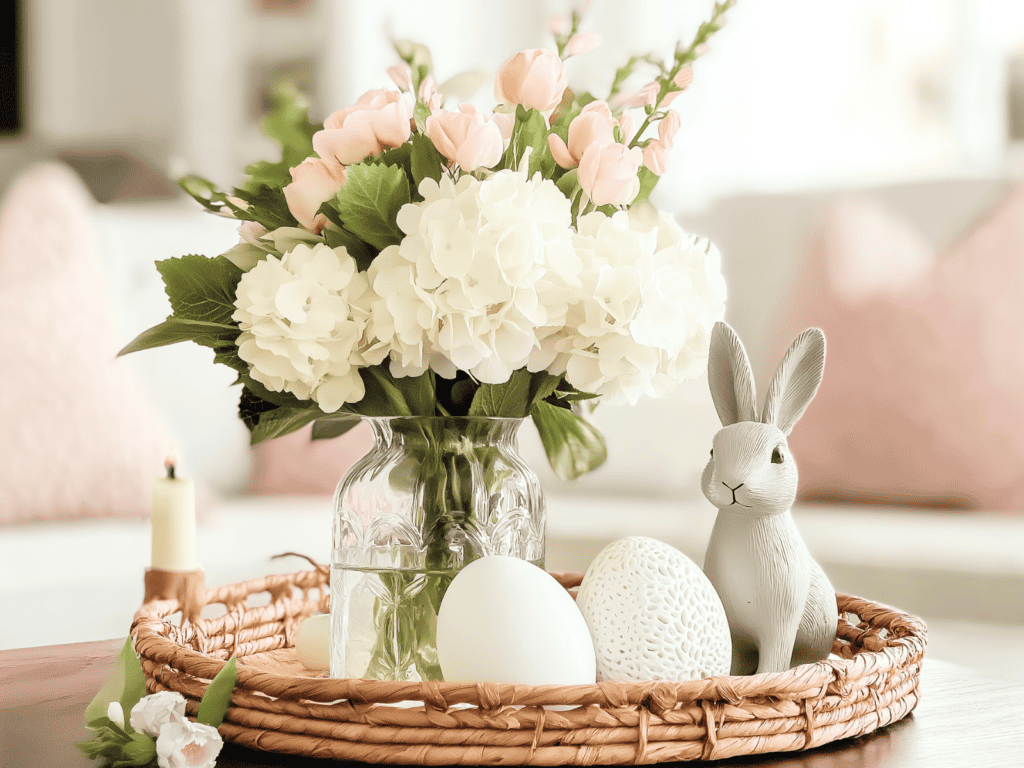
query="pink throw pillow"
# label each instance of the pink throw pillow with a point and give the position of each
(295, 464)
(923, 397)
(79, 438)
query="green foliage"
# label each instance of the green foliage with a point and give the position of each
(281, 421)
(648, 180)
(126, 685)
(326, 428)
(215, 702)
(174, 330)
(530, 130)
(357, 249)
(572, 444)
(427, 162)
(369, 202)
(508, 400)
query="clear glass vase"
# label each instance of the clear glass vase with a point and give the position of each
(431, 496)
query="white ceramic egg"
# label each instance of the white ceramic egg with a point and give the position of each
(504, 620)
(653, 614)
(312, 642)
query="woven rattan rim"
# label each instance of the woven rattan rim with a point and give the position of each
(873, 682)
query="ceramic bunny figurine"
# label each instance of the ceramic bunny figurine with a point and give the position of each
(780, 605)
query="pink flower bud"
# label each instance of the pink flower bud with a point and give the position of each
(668, 127)
(401, 76)
(429, 94)
(506, 121)
(609, 174)
(534, 78)
(594, 126)
(559, 25)
(378, 121)
(655, 157)
(628, 127)
(683, 78)
(581, 43)
(649, 93)
(314, 181)
(466, 137)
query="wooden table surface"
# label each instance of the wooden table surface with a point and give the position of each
(963, 720)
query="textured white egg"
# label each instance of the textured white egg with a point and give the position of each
(312, 642)
(653, 614)
(504, 620)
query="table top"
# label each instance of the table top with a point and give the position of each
(963, 719)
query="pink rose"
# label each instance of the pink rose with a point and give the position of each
(581, 43)
(594, 126)
(656, 157)
(608, 174)
(378, 121)
(466, 137)
(667, 129)
(534, 78)
(314, 181)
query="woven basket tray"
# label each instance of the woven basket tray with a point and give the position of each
(280, 706)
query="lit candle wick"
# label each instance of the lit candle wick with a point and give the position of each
(169, 466)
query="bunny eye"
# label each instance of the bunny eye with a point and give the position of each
(712, 453)
(777, 456)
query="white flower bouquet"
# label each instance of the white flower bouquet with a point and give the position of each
(405, 258)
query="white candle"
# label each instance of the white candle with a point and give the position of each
(174, 520)
(313, 642)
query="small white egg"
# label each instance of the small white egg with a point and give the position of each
(504, 620)
(313, 642)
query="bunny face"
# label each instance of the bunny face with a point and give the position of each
(751, 471)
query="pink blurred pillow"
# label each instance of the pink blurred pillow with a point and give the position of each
(79, 438)
(923, 397)
(294, 464)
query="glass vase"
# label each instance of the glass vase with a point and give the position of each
(431, 496)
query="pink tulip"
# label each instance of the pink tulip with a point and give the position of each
(314, 181)
(668, 128)
(378, 121)
(429, 94)
(656, 157)
(466, 137)
(581, 43)
(594, 126)
(609, 174)
(534, 78)
(401, 76)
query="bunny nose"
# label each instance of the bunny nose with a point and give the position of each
(734, 499)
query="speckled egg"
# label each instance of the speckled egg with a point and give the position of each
(653, 614)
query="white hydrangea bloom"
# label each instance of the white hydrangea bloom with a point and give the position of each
(483, 266)
(303, 319)
(651, 294)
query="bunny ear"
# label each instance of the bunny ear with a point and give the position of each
(796, 380)
(730, 377)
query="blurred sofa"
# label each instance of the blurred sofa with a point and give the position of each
(82, 580)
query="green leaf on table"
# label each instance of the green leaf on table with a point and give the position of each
(327, 428)
(215, 702)
(370, 201)
(572, 444)
(139, 750)
(511, 399)
(127, 684)
(200, 288)
(427, 162)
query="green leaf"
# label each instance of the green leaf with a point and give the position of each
(648, 180)
(399, 156)
(140, 750)
(530, 130)
(542, 386)
(569, 183)
(573, 445)
(127, 684)
(418, 392)
(287, 122)
(265, 173)
(174, 330)
(251, 407)
(357, 249)
(370, 201)
(383, 397)
(265, 204)
(427, 162)
(217, 699)
(420, 115)
(329, 428)
(245, 256)
(508, 400)
(282, 421)
(200, 288)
